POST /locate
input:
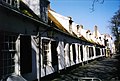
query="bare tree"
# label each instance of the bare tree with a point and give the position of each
(94, 2)
(115, 28)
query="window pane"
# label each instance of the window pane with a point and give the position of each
(9, 62)
(6, 38)
(96, 80)
(8, 56)
(12, 62)
(5, 55)
(1, 56)
(5, 70)
(12, 55)
(45, 44)
(14, 46)
(10, 38)
(1, 63)
(10, 46)
(12, 69)
(6, 46)
(5, 62)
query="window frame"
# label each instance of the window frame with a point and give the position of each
(7, 51)
(47, 49)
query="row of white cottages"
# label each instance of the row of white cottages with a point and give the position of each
(31, 48)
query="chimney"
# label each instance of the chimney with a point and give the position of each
(90, 35)
(95, 31)
(81, 26)
(79, 29)
(48, 7)
(70, 25)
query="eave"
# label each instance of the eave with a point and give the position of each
(19, 14)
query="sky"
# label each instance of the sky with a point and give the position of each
(80, 11)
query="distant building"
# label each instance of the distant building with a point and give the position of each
(110, 46)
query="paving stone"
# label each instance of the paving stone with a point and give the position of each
(106, 69)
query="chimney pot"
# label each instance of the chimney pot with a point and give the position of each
(96, 31)
(70, 25)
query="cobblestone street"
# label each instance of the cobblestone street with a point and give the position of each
(106, 69)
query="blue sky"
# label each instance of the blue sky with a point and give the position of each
(80, 12)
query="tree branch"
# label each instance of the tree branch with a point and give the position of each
(93, 4)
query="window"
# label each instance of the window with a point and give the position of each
(13, 3)
(7, 52)
(45, 50)
(25, 54)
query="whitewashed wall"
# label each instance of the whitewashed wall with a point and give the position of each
(17, 57)
(61, 55)
(67, 51)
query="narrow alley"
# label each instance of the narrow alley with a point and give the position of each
(40, 43)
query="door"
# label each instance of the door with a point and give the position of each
(54, 55)
(25, 54)
(81, 52)
(74, 53)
